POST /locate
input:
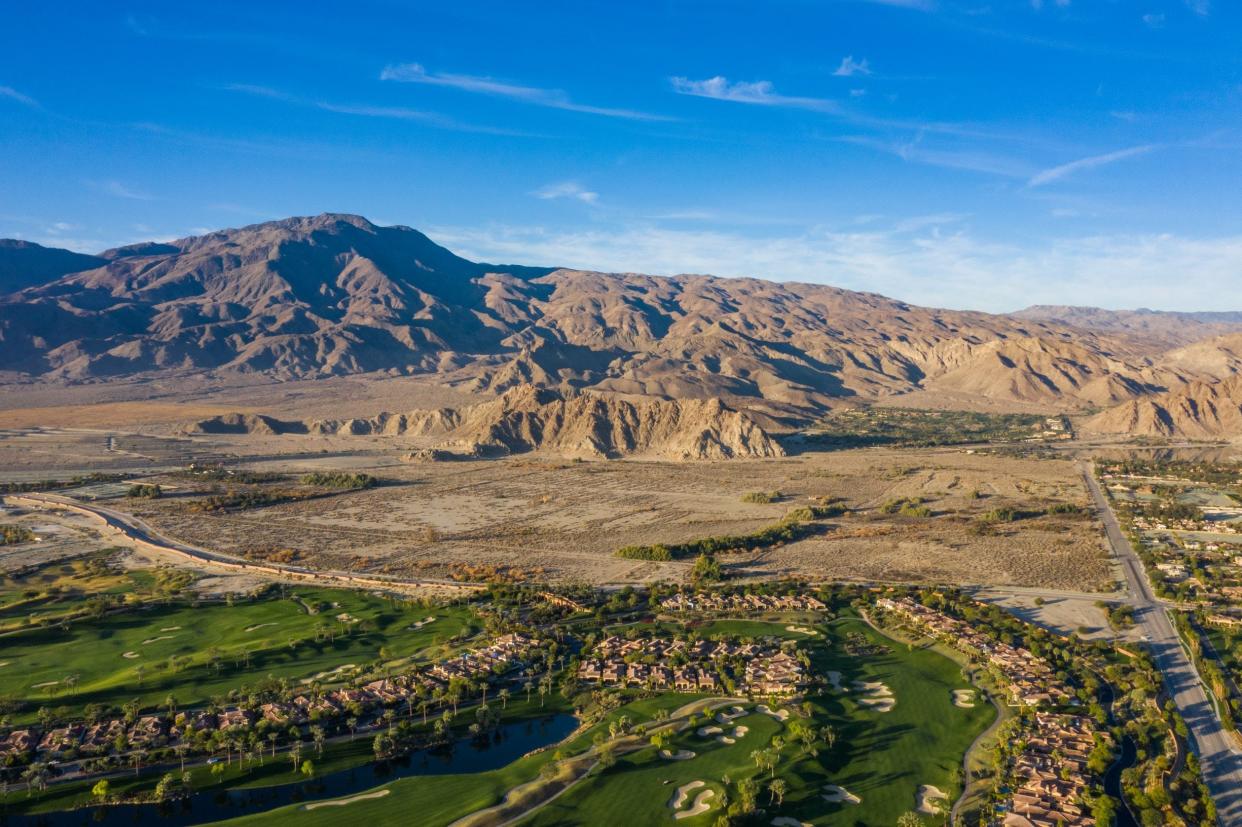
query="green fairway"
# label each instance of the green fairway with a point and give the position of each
(196, 652)
(882, 757)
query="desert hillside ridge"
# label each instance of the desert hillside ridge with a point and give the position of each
(1200, 411)
(335, 295)
(577, 424)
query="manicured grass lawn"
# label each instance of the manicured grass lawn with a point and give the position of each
(882, 757)
(251, 640)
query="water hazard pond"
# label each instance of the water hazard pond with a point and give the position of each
(511, 742)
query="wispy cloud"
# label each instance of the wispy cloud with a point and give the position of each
(399, 113)
(1200, 7)
(931, 263)
(121, 190)
(971, 160)
(1056, 173)
(13, 95)
(1153, 21)
(550, 98)
(850, 67)
(567, 189)
(760, 92)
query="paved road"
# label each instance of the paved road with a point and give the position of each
(1222, 765)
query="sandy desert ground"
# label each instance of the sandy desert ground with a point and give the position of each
(548, 517)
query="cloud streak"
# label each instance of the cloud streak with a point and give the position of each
(481, 85)
(12, 94)
(399, 113)
(567, 189)
(760, 93)
(1057, 173)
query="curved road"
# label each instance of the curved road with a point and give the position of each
(141, 534)
(1222, 765)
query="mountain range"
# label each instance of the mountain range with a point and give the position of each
(335, 294)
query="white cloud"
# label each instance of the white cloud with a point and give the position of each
(1201, 7)
(1154, 21)
(850, 67)
(760, 92)
(120, 190)
(1047, 176)
(567, 189)
(927, 265)
(918, 152)
(12, 94)
(551, 98)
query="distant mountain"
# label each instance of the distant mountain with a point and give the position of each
(25, 264)
(336, 294)
(1168, 327)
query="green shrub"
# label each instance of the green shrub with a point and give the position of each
(761, 497)
(11, 535)
(339, 479)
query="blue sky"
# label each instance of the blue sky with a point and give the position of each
(964, 153)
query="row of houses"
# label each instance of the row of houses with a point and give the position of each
(703, 602)
(692, 666)
(1029, 680)
(1050, 770)
(499, 657)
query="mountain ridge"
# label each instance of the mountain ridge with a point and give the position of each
(334, 294)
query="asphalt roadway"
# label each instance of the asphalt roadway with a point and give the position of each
(1220, 762)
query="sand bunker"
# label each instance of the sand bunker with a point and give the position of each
(679, 755)
(341, 802)
(964, 698)
(727, 717)
(834, 678)
(786, 821)
(420, 624)
(157, 639)
(699, 807)
(320, 676)
(44, 685)
(926, 797)
(801, 630)
(725, 739)
(4, 663)
(778, 714)
(131, 655)
(879, 696)
(171, 629)
(839, 795)
(707, 731)
(258, 626)
(346, 617)
(740, 732)
(683, 793)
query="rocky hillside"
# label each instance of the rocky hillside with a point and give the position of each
(526, 418)
(1202, 410)
(335, 294)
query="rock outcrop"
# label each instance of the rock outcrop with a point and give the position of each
(526, 418)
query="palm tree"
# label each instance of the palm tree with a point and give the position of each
(777, 788)
(272, 738)
(319, 737)
(503, 694)
(35, 777)
(352, 723)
